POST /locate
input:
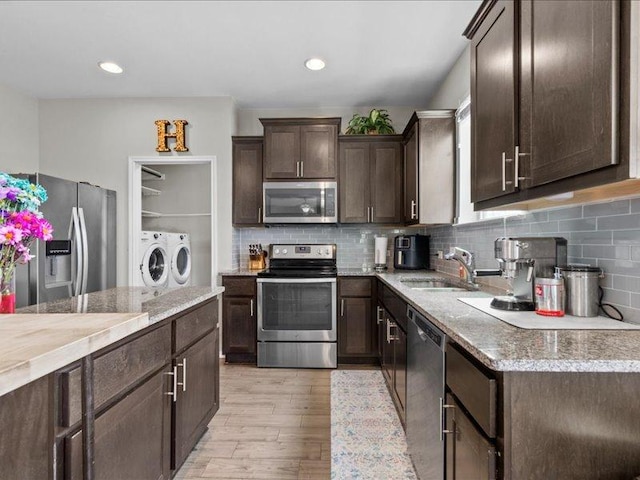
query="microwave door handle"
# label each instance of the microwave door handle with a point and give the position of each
(323, 194)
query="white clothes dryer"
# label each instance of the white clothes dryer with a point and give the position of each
(155, 262)
(179, 248)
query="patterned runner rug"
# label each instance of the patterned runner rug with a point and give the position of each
(367, 440)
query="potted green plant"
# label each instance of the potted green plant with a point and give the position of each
(376, 123)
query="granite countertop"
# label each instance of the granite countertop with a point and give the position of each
(503, 347)
(40, 339)
(240, 272)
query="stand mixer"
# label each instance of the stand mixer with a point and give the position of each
(521, 260)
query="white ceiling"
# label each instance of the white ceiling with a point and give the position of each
(377, 52)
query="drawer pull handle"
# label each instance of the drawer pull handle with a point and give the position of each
(379, 320)
(342, 307)
(443, 430)
(183, 384)
(174, 393)
(251, 307)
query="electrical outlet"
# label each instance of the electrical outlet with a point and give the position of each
(440, 254)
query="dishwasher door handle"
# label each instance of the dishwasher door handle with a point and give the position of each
(443, 430)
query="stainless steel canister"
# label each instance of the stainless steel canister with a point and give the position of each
(550, 297)
(582, 293)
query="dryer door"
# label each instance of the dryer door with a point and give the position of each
(155, 266)
(181, 264)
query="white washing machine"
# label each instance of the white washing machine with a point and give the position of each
(179, 248)
(155, 263)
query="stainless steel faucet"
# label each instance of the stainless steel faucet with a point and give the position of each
(466, 259)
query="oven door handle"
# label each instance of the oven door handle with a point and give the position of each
(298, 280)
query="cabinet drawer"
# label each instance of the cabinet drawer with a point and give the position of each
(115, 371)
(354, 287)
(475, 390)
(193, 325)
(239, 286)
(395, 306)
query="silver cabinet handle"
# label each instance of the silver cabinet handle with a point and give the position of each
(183, 365)
(414, 213)
(372, 220)
(297, 169)
(174, 393)
(518, 154)
(504, 171)
(259, 214)
(251, 307)
(342, 307)
(388, 331)
(443, 430)
(301, 168)
(378, 315)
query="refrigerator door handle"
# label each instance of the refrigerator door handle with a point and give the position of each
(85, 251)
(74, 229)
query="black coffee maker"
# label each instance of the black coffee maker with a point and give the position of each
(411, 252)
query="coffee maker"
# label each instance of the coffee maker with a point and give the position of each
(522, 260)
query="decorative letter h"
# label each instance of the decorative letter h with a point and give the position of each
(163, 135)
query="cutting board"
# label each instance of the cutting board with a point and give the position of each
(531, 320)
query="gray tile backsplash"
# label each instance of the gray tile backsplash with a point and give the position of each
(355, 245)
(606, 235)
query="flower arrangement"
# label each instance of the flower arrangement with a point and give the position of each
(20, 224)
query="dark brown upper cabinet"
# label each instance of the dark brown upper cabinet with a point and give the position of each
(429, 168)
(247, 180)
(370, 188)
(300, 148)
(550, 90)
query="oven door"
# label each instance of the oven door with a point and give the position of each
(297, 309)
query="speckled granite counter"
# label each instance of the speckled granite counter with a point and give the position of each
(43, 338)
(502, 347)
(158, 303)
(240, 272)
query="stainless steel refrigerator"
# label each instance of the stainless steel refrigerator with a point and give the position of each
(81, 258)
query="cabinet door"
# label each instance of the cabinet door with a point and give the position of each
(239, 325)
(281, 151)
(468, 453)
(386, 182)
(387, 360)
(318, 151)
(131, 439)
(401, 369)
(247, 182)
(493, 96)
(568, 117)
(25, 419)
(197, 395)
(411, 173)
(356, 328)
(355, 188)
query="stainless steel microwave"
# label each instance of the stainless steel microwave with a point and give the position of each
(300, 202)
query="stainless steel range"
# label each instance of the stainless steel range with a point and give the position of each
(297, 307)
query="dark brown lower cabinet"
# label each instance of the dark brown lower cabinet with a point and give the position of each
(393, 360)
(25, 416)
(469, 455)
(198, 396)
(239, 319)
(357, 330)
(131, 438)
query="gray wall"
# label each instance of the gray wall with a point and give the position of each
(249, 123)
(19, 132)
(605, 234)
(456, 86)
(91, 140)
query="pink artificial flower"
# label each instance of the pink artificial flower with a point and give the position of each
(23, 254)
(9, 235)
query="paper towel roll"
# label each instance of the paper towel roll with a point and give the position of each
(380, 252)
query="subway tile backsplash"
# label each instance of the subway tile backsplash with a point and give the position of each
(605, 234)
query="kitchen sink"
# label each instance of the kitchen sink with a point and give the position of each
(433, 284)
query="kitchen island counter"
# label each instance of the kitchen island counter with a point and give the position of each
(42, 338)
(502, 347)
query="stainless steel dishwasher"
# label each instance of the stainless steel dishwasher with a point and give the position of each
(425, 396)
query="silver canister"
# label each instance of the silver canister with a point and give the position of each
(550, 297)
(582, 292)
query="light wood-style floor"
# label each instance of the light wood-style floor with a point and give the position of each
(272, 424)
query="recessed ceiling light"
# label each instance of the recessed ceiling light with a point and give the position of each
(110, 67)
(314, 64)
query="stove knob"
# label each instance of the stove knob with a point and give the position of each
(284, 251)
(326, 252)
(277, 252)
(319, 251)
